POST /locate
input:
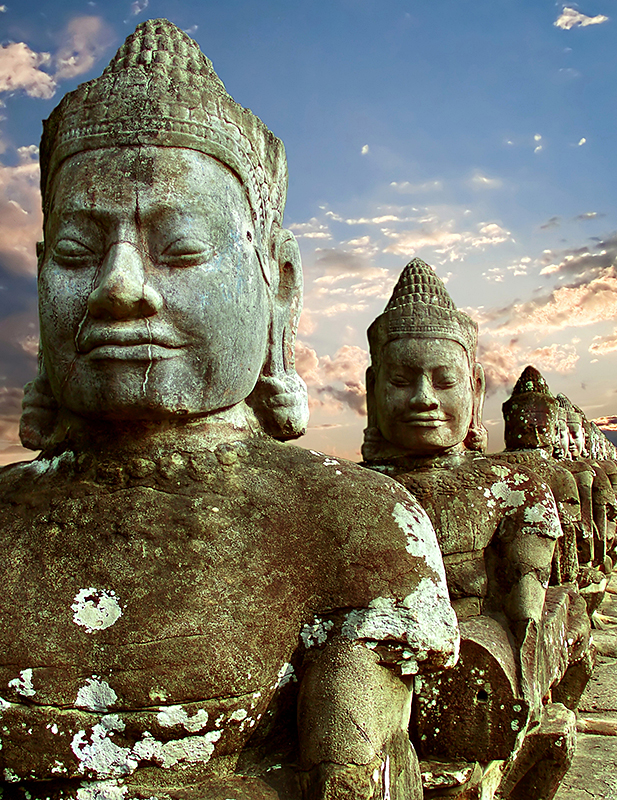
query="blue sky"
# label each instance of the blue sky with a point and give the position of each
(477, 136)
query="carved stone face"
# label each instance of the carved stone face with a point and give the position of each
(530, 425)
(562, 439)
(152, 300)
(576, 438)
(424, 396)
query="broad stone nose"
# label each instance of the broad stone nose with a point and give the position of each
(122, 291)
(423, 394)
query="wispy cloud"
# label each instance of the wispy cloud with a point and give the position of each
(405, 187)
(21, 217)
(553, 222)
(481, 181)
(588, 215)
(571, 18)
(85, 39)
(365, 149)
(313, 229)
(503, 363)
(138, 6)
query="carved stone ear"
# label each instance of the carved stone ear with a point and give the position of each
(280, 398)
(39, 412)
(477, 437)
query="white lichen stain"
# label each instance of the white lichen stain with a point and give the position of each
(285, 675)
(424, 620)
(95, 609)
(10, 776)
(176, 715)
(239, 715)
(515, 725)
(193, 749)
(317, 633)
(331, 462)
(100, 754)
(509, 497)
(58, 768)
(101, 790)
(96, 695)
(421, 537)
(23, 684)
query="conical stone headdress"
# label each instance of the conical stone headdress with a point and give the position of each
(531, 380)
(160, 89)
(420, 306)
(572, 415)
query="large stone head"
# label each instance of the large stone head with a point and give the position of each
(168, 287)
(530, 414)
(425, 390)
(576, 431)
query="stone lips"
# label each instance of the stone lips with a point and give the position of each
(160, 89)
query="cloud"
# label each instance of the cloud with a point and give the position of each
(405, 187)
(582, 141)
(480, 181)
(602, 345)
(589, 215)
(576, 305)
(334, 384)
(2, 9)
(313, 229)
(20, 69)
(377, 220)
(138, 6)
(553, 222)
(445, 240)
(87, 38)
(10, 412)
(608, 423)
(503, 363)
(571, 18)
(21, 218)
(364, 150)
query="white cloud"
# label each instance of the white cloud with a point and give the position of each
(2, 9)
(480, 181)
(313, 229)
(537, 149)
(537, 137)
(20, 68)
(571, 18)
(87, 38)
(364, 150)
(138, 6)
(405, 187)
(582, 141)
(20, 212)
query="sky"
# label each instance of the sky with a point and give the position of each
(479, 136)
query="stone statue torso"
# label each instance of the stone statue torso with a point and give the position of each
(152, 608)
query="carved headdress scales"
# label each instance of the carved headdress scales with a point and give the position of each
(420, 306)
(160, 89)
(572, 414)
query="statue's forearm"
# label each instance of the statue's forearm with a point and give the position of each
(353, 719)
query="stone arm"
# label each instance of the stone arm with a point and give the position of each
(353, 720)
(522, 556)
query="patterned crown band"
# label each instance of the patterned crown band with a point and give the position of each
(161, 90)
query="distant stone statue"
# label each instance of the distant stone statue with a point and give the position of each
(190, 608)
(496, 524)
(531, 419)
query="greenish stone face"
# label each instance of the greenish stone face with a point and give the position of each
(152, 299)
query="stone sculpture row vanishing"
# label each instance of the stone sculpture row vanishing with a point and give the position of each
(194, 608)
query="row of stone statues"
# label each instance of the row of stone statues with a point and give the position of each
(193, 607)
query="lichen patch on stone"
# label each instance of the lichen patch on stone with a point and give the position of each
(95, 609)
(169, 716)
(23, 684)
(96, 695)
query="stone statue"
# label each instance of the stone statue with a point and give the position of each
(191, 608)
(496, 524)
(530, 416)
